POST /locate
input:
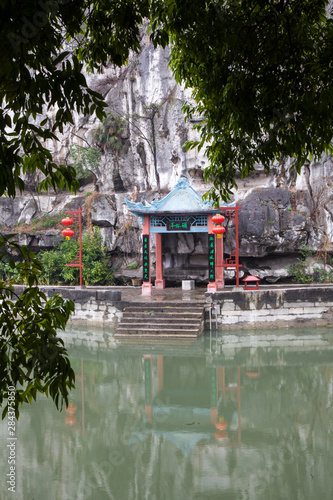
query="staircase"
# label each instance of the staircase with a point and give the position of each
(162, 320)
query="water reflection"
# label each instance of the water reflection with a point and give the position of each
(181, 423)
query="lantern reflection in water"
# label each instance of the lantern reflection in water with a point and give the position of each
(70, 418)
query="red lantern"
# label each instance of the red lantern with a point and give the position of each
(70, 420)
(218, 219)
(67, 221)
(71, 409)
(68, 233)
(218, 230)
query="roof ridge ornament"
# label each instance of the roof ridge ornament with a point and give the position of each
(182, 183)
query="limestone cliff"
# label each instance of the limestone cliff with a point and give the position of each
(280, 213)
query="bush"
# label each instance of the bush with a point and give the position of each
(109, 132)
(300, 272)
(86, 160)
(8, 272)
(304, 272)
(94, 258)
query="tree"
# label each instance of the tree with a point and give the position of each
(44, 47)
(261, 73)
(32, 358)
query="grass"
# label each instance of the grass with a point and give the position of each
(44, 222)
(132, 265)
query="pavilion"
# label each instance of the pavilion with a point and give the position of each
(184, 211)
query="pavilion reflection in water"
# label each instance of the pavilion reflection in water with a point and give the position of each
(217, 423)
(193, 398)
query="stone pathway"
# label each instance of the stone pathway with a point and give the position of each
(174, 295)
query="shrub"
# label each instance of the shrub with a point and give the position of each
(300, 272)
(86, 160)
(96, 270)
(8, 272)
(109, 132)
(303, 272)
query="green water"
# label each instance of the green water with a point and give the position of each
(185, 422)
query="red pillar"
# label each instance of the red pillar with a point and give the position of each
(219, 278)
(237, 244)
(80, 243)
(212, 285)
(159, 282)
(147, 287)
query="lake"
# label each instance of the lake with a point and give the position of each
(205, 420)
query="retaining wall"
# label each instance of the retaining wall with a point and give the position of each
(274, 307)
(92, 306)
(311, 305)
(95, 307)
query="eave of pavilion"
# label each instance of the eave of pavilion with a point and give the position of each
(183, 199)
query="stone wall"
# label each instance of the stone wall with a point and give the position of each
(93, 307)
(268, 307)
(274, 307)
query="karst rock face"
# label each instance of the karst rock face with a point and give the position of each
(280, 211)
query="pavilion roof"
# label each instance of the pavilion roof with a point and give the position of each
(182, 199)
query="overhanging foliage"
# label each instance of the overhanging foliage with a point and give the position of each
(32, 358)
(261, 73)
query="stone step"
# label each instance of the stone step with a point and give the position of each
(152, 336)
(152, 331)
(179, 311)
(153, 317)
(162, 320)
(159, 324)
(159, 320)
(166, 315)
(164, 305)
